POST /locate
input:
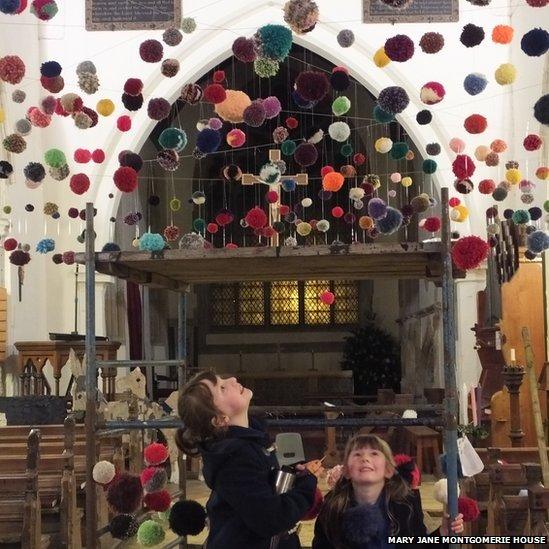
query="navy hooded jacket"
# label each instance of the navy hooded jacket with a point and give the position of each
(244, 511)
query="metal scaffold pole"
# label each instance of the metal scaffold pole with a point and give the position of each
(182, 378)
(449, 343)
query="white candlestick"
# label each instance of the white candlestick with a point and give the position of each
(513, 357)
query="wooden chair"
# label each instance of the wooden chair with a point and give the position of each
(20, 518)
(425, 448)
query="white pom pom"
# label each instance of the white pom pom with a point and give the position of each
(441, 491)
(270, 173)
(323, 225)
(103, 472)
(339, 131)
(409, 414)
(356, 193)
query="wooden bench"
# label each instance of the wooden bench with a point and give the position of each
(509, 455)
(424, 447)
(20, 518)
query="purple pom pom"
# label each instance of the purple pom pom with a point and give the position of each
(377, 209)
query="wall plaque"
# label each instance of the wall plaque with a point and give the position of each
(132, 14)
(428, 11)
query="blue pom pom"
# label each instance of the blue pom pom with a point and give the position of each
(173, 138)
(110, 247)
(391, 222)
(289, 185)
(362, 524)
(302, 103)
(208, 141)
(537, 242)
(429, 166)
(9, 7)
(151, 242)
(475, 83)
(535, 42)
(50, 69)
(45, 245)
(275, 41)
(535, 213)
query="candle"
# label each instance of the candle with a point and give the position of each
(474, 406)
(513, 357)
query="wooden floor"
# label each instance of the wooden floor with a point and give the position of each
(199, 491)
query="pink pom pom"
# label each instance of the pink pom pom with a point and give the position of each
(124, 123)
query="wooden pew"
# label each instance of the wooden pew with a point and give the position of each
(509, 455)
(20, 518)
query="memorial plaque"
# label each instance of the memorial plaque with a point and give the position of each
(426, 11)
(132, 14)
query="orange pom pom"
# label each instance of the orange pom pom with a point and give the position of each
(333, 181)
(502, 34)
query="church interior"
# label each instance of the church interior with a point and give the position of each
(342, 205)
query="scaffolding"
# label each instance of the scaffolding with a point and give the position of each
(410, 261)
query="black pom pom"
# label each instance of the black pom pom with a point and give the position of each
(528, 254)
(424, 117)
(455, 235)
(132, 102)
(6, 169)
(29, 208)
(340, 80)
(154, 200)
(535, 213)
(471, 35)
(123, 527)
(132, 160)
(57, 258)
(508, 213)
(541, 110)
(111, 247)
(187, 518)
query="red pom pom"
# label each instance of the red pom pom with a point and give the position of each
(155, 453)
(271, 197)
(98, 156)
(79, 183)
(359, 159)
(158, 501)
(60, 110)
(256, 218)
(231, 246)
(432, 224)
(463, 166)
(454, 201)
(475, 123)
(224, 218)
(532, 142)
(212, 228)
(54, 84)
(327, 298)
(125, 179)
(124, 123)
(469, 252)
(314, 510)
(268, 232)
(133, 86)
(468, 508)
(219, 76)
(487, 186)
(337, 211)
(10, 244)
(151, 51)
(214, 93)
(325, 170)
(82, 156)
(408, 469)
(284, 209)
(291, 123)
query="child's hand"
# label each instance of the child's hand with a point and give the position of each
(456, 526)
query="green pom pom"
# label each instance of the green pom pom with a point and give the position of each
(55, 158)
(150, 533)
(199, 225)
(520, 217)
(381, 116)
(346, 150)
(341, 105)
(173, 138)
(151, 242)
(6, 209)
(265, 68)
(429, 166)
(546, 206)
(275, 42)
(188, 25)
(288, 147)
(399, 150)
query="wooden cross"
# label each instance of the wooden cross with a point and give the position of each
(301, 179)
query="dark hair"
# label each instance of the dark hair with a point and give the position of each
(197, 410)
(340, 498)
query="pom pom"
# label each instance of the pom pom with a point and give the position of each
(18, 96)
(399, 150)
(502, 34)
(399, 48)
(513, 176)
(432, 93)
(125, 494)
(333, 181)
(123, 527)
(471, 35)
(362, 524)
(124, 123)
(463, 166)
(475, 123)
(14, 143)
(328, 298)
(265, 68)
(150, 533)
(273, 42)
(532, 142)
(19, 258)
(475, 83)
(187, 518)
(541, 110)
(535, 43)
(337, 212)
(173, 138)
(151, 51)
(55, 158)
(492, 159)
(44, 9)
(50, 69)
(429, 166)
(359, 159)
(346, 38)
(6, 169)
(208, 141)
(79, 183)
(431, 42)
(272, 107)
(188, 25)
(341, 105)
(432, 224)
(481, 152)
(487, 186)
(537, 242)
(468, 253)
(420, 203)
(53, 85)
(244, 50)
(68, 258)
(133, 86)
(520, 217)
(34, 171)
(131, 160)
(393, 99)
(10, 244)
(468, 508)
(254, 114)
(98, 156)
(158, 108)
(382, 116)
(103, 472)
(12, 69)
(424, 117)
(153, 242)
(232, 109)
(311, 85)
(172, 36)
(270, 174)
(306, 154)
(432, 149)
(125, 179)
(23, 127)
(391, 223)
(291, 123)
(408, 470)
(380, 58)
(256, 218)
(339, 131)
(169, 68)
(214, 93)
(340, 81)
(377, 209)
(158, 501)
(9, 7)
(505, 74)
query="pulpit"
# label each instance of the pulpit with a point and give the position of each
(34, 354)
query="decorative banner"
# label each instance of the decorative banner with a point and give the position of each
(415, 11)
(132, 14)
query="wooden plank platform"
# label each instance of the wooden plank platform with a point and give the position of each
(174, 269)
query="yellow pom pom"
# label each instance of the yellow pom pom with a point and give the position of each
(365, 222)
(513, 176)
(459, 213)
(383, 145)
(303, 228)
(381, 59)
(506, 74)
(105, 107)
(406, 181)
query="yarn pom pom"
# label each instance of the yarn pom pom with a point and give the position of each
(133, 86)
(468, 508)
(541, 110)
(244, 50)
(158, 501)
(520, 217)
(123, 527)
(423, 117)
(12, 69)
(254, 114)
(381, 116)
(468, 253)
(272, 107)
(35, 172)
(399, 48)
(173, 138)
(311, 85)
(9, 7)
(79, 183)
(232, 109)
(463, 166)
(10, 244)
(214, 93)
(393, 99)
(340, 80)
(98, 156)
(6, 169)
(431, 42)
(432, 224)
(332, 181)
(124, 123)
(153, 242)
(151, 51)
(391, 223)
(505, 74)
(341, 105)
(172, 36)
(45, 246)
(339, 131)
(158, 108)
(377, 209)
(125, 494)
(432, 149)
(502, 34)
(55, 158)
(188, 25)
(532, 142)
(306, 154)
(208, 141)
(537, 242)
(187, 518)
(475, 124)
(432, 93)
(50, 69)
(273, 42)
(407, 469)
(103, 472)
(19, 258)
(475, 83)
(429, 166)
(535, 42)
(362, 524)
(44, 9)
(346, 38)
(265, 68)
(301, 15)
(256, 218)
(471, 35)
(487, 186)
(125, 179)
(150, 533)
